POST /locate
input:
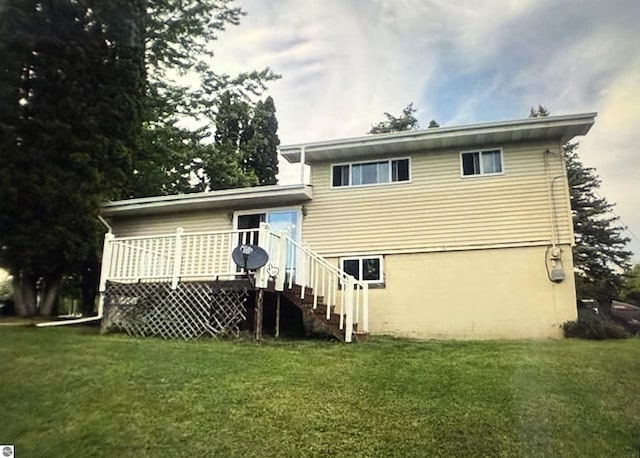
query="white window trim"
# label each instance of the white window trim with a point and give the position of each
(389, 183)
(359, 258)
(296, 208)
(482, 173)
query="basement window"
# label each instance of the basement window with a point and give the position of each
(485, 162)
(370, 173)
(365, 268)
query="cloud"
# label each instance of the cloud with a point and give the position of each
(612, 147)
(344, 63)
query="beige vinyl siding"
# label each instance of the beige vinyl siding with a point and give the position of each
(439, 209)
(148, 225)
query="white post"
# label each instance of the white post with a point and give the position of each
(301, 271)
(302, 159)
(105, 270)
(177, 259)
(294, 255)
(281, 261)
(315, 283)
(348, 290)
(261, 273)
(365, 308)
(343, 301)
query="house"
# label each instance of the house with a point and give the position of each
(449, 233)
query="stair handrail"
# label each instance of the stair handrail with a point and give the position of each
(354, 307)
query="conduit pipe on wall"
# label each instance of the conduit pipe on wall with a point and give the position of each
(553, 253)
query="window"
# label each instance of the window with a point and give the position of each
(488, 162)
(365, 268)
(368, 173)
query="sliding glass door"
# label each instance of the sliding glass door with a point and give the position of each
(286, 220)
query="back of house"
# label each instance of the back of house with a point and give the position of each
(461, 232)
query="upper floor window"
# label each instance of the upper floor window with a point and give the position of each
(486, 162)
(368, 173)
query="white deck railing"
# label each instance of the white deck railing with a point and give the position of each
(189, 256)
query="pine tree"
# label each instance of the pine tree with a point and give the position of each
(70, 87)
(630, 290)
(261, 150)
(90, 108)
(178, 38)
(244, 151)
(223, 163)
(600, 255)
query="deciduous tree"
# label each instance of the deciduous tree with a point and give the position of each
(406, 121)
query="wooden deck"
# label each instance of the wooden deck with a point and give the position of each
(176, 263)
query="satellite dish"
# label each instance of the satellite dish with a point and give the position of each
(249, 257)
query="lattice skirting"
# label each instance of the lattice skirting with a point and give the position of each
(192, 310)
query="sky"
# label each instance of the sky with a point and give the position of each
(346, 62)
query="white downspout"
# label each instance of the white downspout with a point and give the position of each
(100, 299)
(49, 324)
(105, 224)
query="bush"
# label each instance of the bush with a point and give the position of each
(594, 328)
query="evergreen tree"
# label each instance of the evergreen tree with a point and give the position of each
(178, 37)
(538, 112)
(406, 121)
(600, 255)
(630, 290)
(223, 162)
(244, 152)
(70, 93)
(261, 150)
(90, 107)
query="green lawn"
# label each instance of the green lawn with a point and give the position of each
(72, 392)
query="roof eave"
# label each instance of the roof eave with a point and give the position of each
(228, 199)
(566, 127)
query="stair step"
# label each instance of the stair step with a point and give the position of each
(294, 294)
(322, 315)
(334, 318)
(308, 299)
(321, 309)
(319, 314)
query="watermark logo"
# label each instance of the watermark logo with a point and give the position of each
(7, 451)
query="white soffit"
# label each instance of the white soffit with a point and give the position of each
(552, 128)
(232, 199)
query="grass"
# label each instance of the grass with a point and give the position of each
(72, 392)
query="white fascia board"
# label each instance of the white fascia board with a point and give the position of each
(230, 198)
(561, 128)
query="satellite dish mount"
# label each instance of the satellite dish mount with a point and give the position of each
(250, 258)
